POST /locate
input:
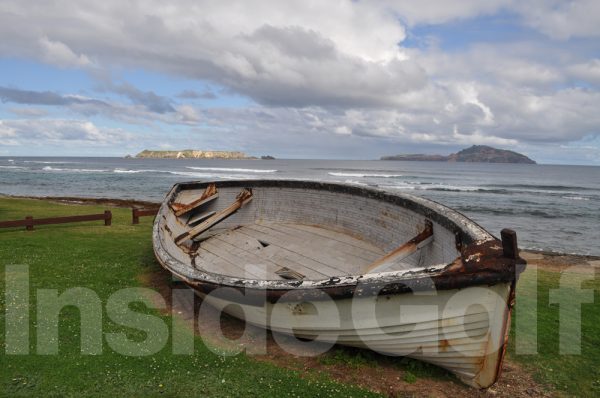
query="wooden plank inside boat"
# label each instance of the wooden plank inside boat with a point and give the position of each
(209, 194)
(394, 257)
(273, 245)
(244, 197)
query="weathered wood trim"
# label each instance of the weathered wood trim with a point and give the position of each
(209, 194)
(244, 197)
(403, 251)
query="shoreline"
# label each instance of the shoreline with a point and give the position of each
(74, 200)
(533, 256)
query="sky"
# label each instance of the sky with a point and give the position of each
(301, 79)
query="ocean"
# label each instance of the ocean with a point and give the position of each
(553, 208)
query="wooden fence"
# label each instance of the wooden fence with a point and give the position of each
(137, 213)
(29, 221)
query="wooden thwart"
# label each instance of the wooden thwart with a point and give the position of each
(403, 251)
(209, 194)
(199, 218)
(244, 197)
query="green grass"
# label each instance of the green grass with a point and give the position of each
(106, 259)
(577, 375)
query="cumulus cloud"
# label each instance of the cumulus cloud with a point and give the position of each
(562, 19)
(58, 53)
(586, 71)
(24, 131)
(339, 69)
(289, 54)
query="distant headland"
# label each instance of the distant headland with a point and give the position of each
(192, 154)
(476, 153)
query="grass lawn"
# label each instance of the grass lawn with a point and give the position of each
(106, 259)
(574, 374)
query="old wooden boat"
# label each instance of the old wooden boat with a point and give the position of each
(357, 266)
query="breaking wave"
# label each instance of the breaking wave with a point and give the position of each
(49, 168)
(575, 197)
(536, 187)
(127, 171)
(363, 175)
(211, 176)
(499, 211)
(47, 162)
(356, 183)
(235, 170)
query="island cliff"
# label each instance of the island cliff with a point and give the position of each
(476, 153)
(192, 154)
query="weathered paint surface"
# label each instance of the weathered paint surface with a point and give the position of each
(481, 262)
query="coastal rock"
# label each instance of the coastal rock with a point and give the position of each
(192, 154)
(476, 153)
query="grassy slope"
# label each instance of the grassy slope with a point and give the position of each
(575, 374)
(106, 259)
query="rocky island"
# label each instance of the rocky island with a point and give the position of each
(476, 153)
(192, 154)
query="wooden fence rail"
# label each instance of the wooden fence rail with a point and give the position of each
(29, 221)
(137, 213)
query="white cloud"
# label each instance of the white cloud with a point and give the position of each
(587, 71)
(55, 131)
(442, 11)
(57, 53)
(561, 19)
(188, 114)
(335, 68)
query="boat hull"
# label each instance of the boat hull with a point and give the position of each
(461, 330)
(448, 304)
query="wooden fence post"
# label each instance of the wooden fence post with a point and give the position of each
(107, 218)
(135, 218)
(29, 225)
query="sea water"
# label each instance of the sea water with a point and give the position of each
(555, 208)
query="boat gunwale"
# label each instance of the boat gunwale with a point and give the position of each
(475, 240)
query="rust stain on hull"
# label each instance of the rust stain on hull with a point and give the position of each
(483, 261)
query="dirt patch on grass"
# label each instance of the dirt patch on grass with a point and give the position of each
(557, 262)
(391, 376)
(93, 201)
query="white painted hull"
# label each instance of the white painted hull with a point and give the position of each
(309, 258)
(459, 330)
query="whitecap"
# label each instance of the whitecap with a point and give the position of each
(356, 183)
(575, 197)
(211, 176)
(47, 162)
(228, 169)
(363, 175)
(450, 188)
(50, 168)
